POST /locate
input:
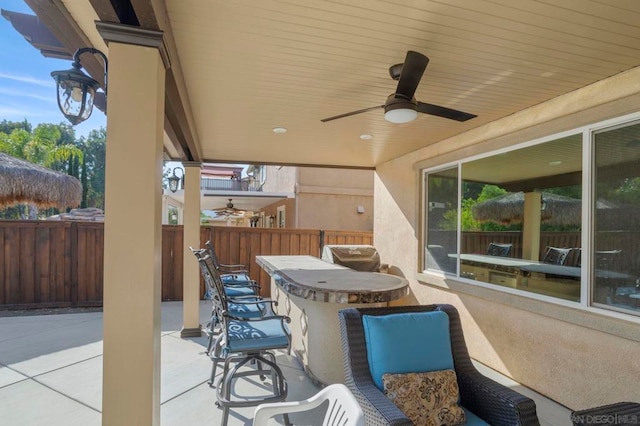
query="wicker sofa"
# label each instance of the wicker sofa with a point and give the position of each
(487, 399)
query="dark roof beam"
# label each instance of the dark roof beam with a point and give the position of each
(36, 33)
(59, 21)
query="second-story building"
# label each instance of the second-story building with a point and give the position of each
(325, 198)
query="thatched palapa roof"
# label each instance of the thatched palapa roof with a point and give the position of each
(509, 208)
(25, 182)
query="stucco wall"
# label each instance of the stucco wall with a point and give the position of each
(326, 211)
(577, 356)
(338, 178)
(335, 212)
(280, 179)
(329, 199)
(326, 198)
(289, 212)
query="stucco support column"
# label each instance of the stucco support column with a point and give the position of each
(191, 237)
(531, 226)
(132, 231)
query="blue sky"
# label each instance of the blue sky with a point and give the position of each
(26, 87)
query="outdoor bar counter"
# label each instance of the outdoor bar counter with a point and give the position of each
(311, 292)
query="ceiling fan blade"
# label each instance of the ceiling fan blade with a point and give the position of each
(412, 69)
(441, 111)
(335, 117)
(100, 101)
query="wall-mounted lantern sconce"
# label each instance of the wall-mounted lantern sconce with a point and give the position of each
(174, 180)
(76, 90)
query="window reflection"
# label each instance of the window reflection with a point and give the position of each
(442, 220)
(521, 218)
(616, 236)
(172, 212)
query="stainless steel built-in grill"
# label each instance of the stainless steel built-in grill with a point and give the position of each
(358, 257)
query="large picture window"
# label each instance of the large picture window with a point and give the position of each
(442, 220)
(520, 224)
(616, 231)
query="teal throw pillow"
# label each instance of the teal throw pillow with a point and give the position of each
(411, 342)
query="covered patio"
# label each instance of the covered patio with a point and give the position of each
(53, 375)
(250, 81)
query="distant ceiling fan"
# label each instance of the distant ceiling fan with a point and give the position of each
(401, 106)
(228, 210)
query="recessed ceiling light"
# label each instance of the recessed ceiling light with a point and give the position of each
(366, 137)
(279, 130)
(555, 163)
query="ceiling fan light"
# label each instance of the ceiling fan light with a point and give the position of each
(400, 115)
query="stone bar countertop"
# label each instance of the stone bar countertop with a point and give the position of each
(311, 278)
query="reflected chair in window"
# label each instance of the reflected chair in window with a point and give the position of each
(343, 409)
(242, 342)
(608, 288)
(377, 342)
(607, 259)
(577, 256)
(556, 256)
(497, 249)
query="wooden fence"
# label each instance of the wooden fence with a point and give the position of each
(59, 264)
(242, 245)
(627, 242)
(477, 242)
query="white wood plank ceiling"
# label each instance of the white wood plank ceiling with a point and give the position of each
(251, 65)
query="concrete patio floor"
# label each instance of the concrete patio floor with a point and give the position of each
(51, 374)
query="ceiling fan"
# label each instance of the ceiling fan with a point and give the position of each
(401, 106)
(228, 210)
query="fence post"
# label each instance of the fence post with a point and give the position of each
(321, 241)
(73, 237)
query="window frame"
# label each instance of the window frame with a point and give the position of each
(588, 183)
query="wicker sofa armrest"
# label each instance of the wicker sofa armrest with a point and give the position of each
(495, 403)
(376, 406)
(486, 398)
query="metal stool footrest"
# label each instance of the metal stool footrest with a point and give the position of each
(230, 374)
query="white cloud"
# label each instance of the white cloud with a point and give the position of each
(27, 79)
(13, 113)
(23, 94)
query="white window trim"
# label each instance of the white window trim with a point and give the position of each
(457, 283)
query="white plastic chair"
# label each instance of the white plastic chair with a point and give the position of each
(343, 408)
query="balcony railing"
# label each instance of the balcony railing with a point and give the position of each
(229, 185)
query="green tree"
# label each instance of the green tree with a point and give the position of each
(94, 147)
(85, 185)
(50, 145)
(628, 191)
(490, 191)
(474, 193)
(56, 147)
(571, 191)
(9, 126)
(14, 143)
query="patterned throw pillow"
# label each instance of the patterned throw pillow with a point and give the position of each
(427, 399)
